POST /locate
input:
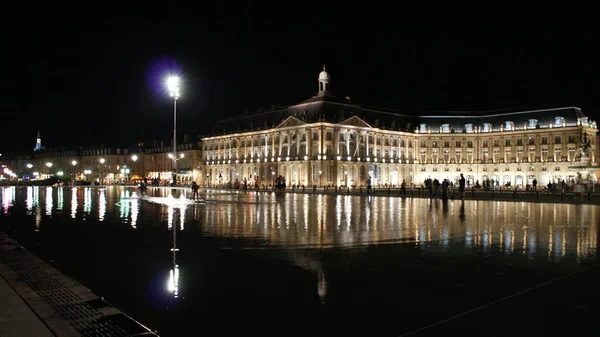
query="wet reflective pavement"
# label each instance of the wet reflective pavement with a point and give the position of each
(333, 265)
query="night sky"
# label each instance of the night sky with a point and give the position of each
(92, 76)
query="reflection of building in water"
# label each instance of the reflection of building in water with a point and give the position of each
(101, 205)
(74, 203)
(491, 226)
(49, 201)
(311, 260)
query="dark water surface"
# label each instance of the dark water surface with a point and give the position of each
(302, 264)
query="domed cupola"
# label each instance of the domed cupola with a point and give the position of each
(324, 82)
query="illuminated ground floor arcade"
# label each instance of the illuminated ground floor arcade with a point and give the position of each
(342, 173)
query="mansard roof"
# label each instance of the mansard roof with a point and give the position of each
(457, 120)
(319, 108)
(335, 110)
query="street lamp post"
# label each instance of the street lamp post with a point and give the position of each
(49, 165)
(173, 87)
(102, 172)
(134, 158)
(74, 162)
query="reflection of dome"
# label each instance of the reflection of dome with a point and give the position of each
(324, 75)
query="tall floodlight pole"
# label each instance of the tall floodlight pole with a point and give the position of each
(173, 87)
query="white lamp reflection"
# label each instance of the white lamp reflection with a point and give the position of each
(101, 205)
(173, 283)
(134, 210)
(181, 204)
(87, 200)
(49, 201)
(29, 200)
(74, 203)
(8, 196)
(60, 202)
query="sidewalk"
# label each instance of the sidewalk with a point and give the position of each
(17, 319)
(37, 300)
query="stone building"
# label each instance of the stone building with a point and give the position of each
(328, 140)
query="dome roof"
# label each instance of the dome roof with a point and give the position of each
(324, 75)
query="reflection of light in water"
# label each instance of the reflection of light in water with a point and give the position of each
(348, 212)
(38, 219)
(59, 203)
(322, 286)
(306, 208)
(74, 203)
(124, 205)
(29, 200)
(182, 201)
(490, 226)
(49, 201)
(8, 197)
(170, 213)
(101, 205)
(134, 209)
(181, 218)
(87, 200)
(173, 284)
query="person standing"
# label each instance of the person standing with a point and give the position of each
(461, 186)
(369, 188)
(195, 188)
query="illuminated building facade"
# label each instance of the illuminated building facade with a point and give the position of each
(328, 141)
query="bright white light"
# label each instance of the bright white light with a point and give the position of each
(74, 162)
(60, 173)
(102, 160)
(173, 86)
(87, 171)
(29, 166)
(49, 164)
(173, 283)
(170, 155)
(134, 157)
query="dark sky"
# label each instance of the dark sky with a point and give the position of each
(93, 75)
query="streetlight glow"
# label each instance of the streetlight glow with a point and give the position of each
(173, 86)
(49, 164)
(29, 166)
(134, 158)
(74, 162)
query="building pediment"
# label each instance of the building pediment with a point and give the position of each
(354, 121)
(290, 121)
